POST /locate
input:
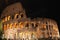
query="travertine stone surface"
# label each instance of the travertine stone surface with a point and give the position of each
(14, 18)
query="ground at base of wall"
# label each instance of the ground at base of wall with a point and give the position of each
(39, 39)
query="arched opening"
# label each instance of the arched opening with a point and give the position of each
(32, 24)
(21, 25)
(11, 25)
(16, 16)
(21, 15)
(12, 16)
(8, 26)
(8, 17)
(27, 25)
(36, 25)
(5, 27)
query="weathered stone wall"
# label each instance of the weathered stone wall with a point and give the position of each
(14, 17)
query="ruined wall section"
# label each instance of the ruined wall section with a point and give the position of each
(14, 16)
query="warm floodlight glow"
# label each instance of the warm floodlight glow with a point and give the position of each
(18, 27)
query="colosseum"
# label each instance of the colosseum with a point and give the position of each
(16, 25)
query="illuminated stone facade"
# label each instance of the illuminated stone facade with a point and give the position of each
(16, 25)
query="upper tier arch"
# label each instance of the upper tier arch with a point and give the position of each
(13, 9)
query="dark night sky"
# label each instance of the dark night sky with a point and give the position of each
(36, 8)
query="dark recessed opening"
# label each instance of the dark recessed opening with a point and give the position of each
(47, 27)
(27, 25)
(12, 16)
(36, 25)
(32, 25)
(22, 16)
(17, 16)
(46, 23)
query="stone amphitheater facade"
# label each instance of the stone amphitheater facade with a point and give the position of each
(16, 25)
